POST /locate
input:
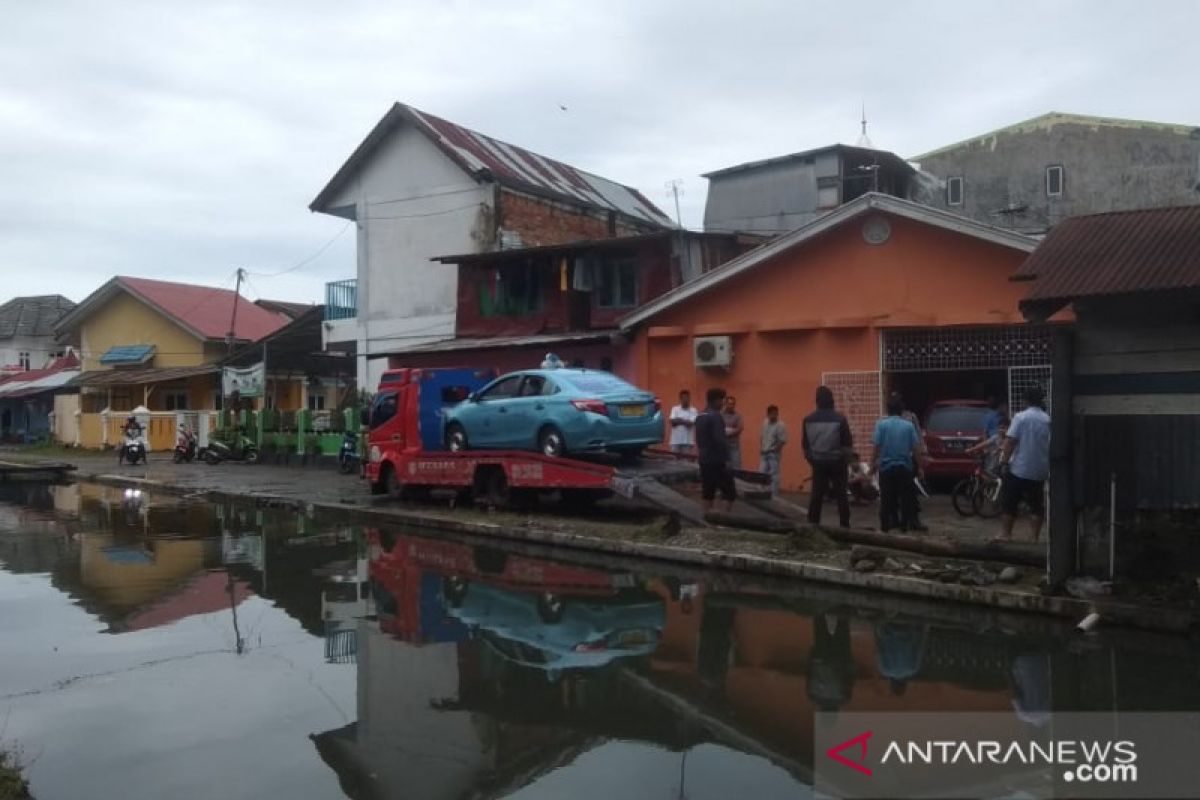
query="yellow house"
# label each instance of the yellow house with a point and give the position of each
(155, 344)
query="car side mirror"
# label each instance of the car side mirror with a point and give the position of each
(473, 397)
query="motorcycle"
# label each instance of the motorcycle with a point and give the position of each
(133, 449)
(185, 445)
(348, 458)
(238, 447)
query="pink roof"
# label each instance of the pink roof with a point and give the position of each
(204, 309)
(201, 594)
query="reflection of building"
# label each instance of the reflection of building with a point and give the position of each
(345, 599)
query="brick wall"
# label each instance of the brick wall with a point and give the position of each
(541, 222)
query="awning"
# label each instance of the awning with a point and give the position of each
(46, 384)
(135, 377)
(499, 342)
(128, 354)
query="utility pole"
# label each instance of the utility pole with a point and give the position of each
(675, 188)
(237, 295)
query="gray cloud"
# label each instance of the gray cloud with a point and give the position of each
(184, 140)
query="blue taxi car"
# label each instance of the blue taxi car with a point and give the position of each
(555, 412)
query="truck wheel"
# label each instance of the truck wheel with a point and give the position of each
(395, 488)
(454, 590)
(551, 442)
(456, 438)
(380, 486)
(550, 608)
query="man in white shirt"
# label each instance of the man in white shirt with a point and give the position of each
(1027, 455)
(683, 425)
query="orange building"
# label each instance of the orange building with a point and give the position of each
(880, 294)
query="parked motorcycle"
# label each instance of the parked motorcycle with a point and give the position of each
(348, 458)
(237, 447)
(133, 449)
(185, 445)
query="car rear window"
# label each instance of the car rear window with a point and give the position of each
(598, 382)
(956, 418)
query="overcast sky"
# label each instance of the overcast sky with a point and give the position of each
(181, 140)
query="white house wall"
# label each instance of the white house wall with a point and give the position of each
(411, 203)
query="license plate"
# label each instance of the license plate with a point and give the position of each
(632, 411)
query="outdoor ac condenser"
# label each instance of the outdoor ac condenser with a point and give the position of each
(712, 351)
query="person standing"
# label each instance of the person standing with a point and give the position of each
(712, 448)
(922, 453)
(683, 424)
(896, 460)
(827, 443)
(774, 437)
(1027, 455)
(733, 431)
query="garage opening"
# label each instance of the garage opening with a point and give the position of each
(928, 365)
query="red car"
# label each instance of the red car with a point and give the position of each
(951, 427)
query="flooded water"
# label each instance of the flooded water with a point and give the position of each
(154, 648)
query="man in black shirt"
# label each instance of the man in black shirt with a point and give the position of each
(712, 447)
(827, 441)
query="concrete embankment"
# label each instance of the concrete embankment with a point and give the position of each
(807, 555)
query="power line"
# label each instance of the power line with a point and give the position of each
(313, 257)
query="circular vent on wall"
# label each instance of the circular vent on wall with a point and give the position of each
(876, 230)
(706, 351)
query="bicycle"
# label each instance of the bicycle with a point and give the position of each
(978, 494)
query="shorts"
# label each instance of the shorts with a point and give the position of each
(714, 478)
(1013, 490)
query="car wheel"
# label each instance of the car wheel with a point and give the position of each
(551, 442)
(456, 438)
(550, 607)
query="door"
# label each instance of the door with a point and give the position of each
(528, 411)
(386, 426)
(490, 421)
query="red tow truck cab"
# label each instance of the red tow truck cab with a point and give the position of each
(406, 449)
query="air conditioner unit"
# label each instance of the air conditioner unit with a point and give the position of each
(712, 351)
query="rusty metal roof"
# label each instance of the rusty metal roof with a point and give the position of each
(134, 377)
(486, 158)
(1116, 253)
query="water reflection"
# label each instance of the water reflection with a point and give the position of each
(428, 666)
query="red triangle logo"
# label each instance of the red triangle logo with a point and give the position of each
(859, 742)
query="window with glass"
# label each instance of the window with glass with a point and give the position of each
(511, 291)
(954, 191)
(316, 402)
(616, 284)
(1054, 181)
(502, 389)
(176, 400)
(23, 360)
(383, 408)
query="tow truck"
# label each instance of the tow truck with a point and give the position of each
(407, 456)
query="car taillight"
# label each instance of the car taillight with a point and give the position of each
(592, 647)
(592, 406)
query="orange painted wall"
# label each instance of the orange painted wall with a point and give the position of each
(820, 307)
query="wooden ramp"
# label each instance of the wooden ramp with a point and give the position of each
(34, 470)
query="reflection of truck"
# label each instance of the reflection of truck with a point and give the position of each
(418, 582)
(406, 453)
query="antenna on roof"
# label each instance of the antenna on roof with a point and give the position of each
(231, 337)
(863, 139)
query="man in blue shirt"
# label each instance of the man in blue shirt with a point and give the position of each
(896, 462)
(1027, 456)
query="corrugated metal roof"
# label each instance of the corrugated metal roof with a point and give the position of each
(133, 377)
(32, 316)
(1116, 253)
(205, 311)
(44, 384)
(498, 342)
(485, 157)
(884, 156)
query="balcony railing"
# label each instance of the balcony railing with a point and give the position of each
(341, 299)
